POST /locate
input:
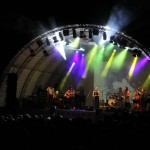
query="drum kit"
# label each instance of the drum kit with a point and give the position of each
(113, 100)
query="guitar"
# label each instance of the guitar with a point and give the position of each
(70, 94)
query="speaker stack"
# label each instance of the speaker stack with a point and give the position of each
(11, 89)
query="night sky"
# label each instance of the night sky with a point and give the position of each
(21, 22)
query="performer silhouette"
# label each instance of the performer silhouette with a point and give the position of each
(96, 95)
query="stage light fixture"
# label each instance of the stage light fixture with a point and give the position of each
(90, 33)
(134, 55)
(82, 35)
(104, 35)
(66, 32)
(55, 39)
(61, 36)
(122, 42)
(95, 31)
(74, 33)
(45, 53)
(32, 52)
(47, 42)
(111, 39)
(137, 53)
(131, 44)
(39, 42)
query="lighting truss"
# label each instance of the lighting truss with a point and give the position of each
(87, 29)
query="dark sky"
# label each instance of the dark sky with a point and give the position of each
(21, 22)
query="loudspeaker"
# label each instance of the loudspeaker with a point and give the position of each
(11, 89)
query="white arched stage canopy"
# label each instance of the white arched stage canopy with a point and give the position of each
(82, 55)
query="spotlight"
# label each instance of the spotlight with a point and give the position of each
(66, 32)
(45, 53)
(32, 52)
(82, 35)
(95, 31)
(55, 39)
(123, 43)
(131, 44)
(74, 33)
(137, 53)
(134, 55)
(90, 33)
(47, 42)
(61, 36)
(112, 38)
(104, 35)
(39, 42)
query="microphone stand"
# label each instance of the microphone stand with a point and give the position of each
(88, 93)
(102, 96)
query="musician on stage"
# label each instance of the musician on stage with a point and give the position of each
(96, 95)
(51, 94)
(127, 98)
(137, 97)
(69, 97)
(143, 102)
(120, 98)
(137, 93)
(139, 104)
(142, 93)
